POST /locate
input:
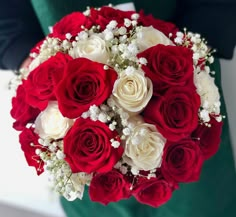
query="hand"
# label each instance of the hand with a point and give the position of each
(26, 63)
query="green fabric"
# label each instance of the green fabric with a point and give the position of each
(215, 193)
(50, 11)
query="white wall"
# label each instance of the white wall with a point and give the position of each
(228, 69)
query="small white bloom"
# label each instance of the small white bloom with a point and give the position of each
(127, 22)
(85, 115)
(178, 40)
(60, 155)
(51, 124)
(112, 127)
(108, 35)
(204, 115)
(143, 61)
(122, 30)
(83, 35)
(93, 109)
(68, 36)
(180, 34)
(135, 16)
(102, 117)
(149, 36)
(115, 144)
(134, 171)
(210, 59)
(126, 131)
(219, 118)
(112, 25)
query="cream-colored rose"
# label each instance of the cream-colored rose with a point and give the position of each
(149, 36)
(144, 147)
(50, 124)
(132, 92)
(93, 48)
(208, 91)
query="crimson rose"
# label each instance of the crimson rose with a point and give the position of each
(154, 192)
(29, 143)
(40, 83)
(71, 23)
(105, 15)
(21, 111)
(108, 187)
(85, 83)
(88, 147)
(175, 114)
(161, 25)
(182, 161)
(209, 137)
(168, 65)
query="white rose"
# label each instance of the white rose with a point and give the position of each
(132, 91)
(93, 48)
(149, 36)
(50, 124)
(144, 147)
(208, 91)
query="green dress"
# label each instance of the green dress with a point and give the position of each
(214, 195)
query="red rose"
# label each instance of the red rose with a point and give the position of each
(163, 26)
(105, 15)
(87, 147)
(182, 161)
(168, 65)
(40, 83)
(209, 137)
(108, 187)
(175, 114)
(21, 111)
(72, 24)
(153, 192)
(85, 83)
(29, 143)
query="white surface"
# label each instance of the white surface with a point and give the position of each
(228, 70)
(19, 183)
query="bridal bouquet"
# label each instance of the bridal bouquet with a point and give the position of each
(120, 102)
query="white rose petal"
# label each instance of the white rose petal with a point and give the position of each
(149, 36)
(146, 153)
(132, 92)
(93, 48)
(51, 124)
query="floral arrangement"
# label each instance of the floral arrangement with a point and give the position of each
(120, 102)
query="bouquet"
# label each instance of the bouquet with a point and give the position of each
(121, 102)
